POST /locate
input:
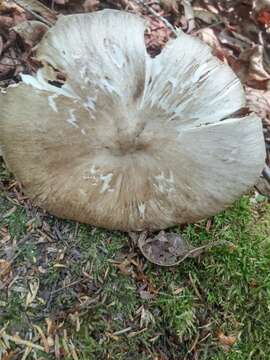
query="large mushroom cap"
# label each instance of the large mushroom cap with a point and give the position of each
(129, 142)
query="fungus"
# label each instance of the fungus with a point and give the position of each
(124, 141)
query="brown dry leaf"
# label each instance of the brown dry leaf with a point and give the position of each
(34, 287)
(19, 341)
(157, 35)
(256, 66)
(56, 347)
(43, 338)
(7, 67)
(31, 31)
(9, 212)
(8, 355)
(226, 340)
(206, 16)
(208, 36)
(259, 5)
(6, 22)
(60, 2)
(91, 5)
(259, 102)
(164, 249)
(5, 267)
(263, 186)
(126, 268)
(170, 6)
(189, 18)
(49, 16)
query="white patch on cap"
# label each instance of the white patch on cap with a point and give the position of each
(52, 103)
(100, 179)
(163, 183)
(141, 207)
(72, 119)
(106, 179)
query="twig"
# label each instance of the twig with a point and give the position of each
(194, 252)
(120, 332)
(194, 286)
(153, 12)
(67, 286)
(18, 341)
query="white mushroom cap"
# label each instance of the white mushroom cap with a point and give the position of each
(129, 142)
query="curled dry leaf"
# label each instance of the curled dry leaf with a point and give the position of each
(7, 67)
(261, 12)
(259, 5)
(189, 15)
(259, 102)
(256, 66)
(170, 6)
(6, 22)
(91, 5)
(205, 16)
(164, 249)
(34, 287)
(170, 249)
(31, 31)
(60, 2)
(227, 340)
(5, 267)
(208, 36)
(263, 186)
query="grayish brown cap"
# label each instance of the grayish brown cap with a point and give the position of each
(129, 142)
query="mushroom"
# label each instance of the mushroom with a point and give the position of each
(126, 141)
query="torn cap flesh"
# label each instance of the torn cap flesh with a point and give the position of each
(129, 142)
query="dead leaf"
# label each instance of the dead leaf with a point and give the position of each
(208, 36)
(164, 249)
(60, 2)
(5, 267)
(170, 6)
(259, 5)
(206, 16)
(259, 102)
(256, 66)
(91, 5)
(10, 212)
(34, 287)
(263, 186)
(146, 317)
(43, 338)
(126, 268)
(170, 249)
(6, 22)
(227, 340)
(31, 31)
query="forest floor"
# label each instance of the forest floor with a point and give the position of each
(71, 291)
